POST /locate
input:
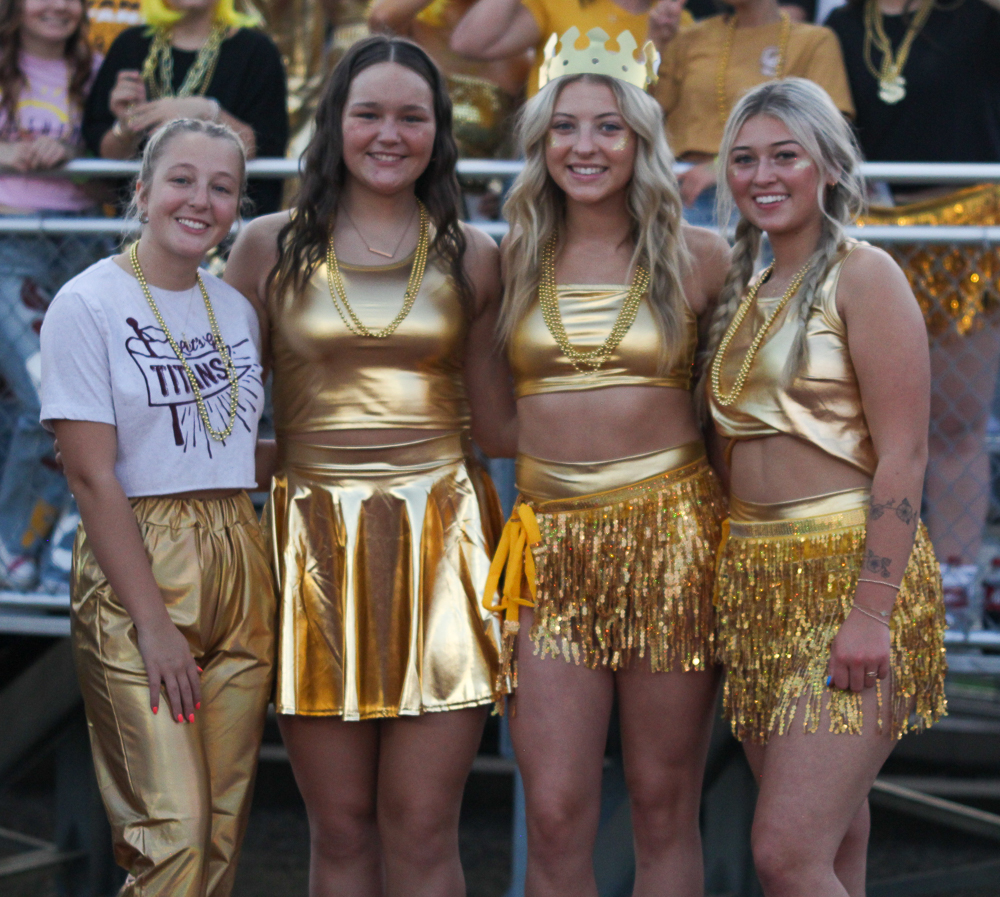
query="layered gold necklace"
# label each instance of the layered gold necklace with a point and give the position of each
(891, 83)
(722, 99)
(220, 347)
(338, 293)
(548, 299)
(726, 399)
(158, 67)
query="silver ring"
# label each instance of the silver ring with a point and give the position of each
(872, 673)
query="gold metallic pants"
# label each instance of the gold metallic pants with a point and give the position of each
(958, 285)
(178, 794)
(381, 554)
(626, 559)
(785, 584)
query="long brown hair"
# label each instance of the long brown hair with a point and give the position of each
(77, 53)
(302, 242)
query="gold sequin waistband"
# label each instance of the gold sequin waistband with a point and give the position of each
(372, 460)
(799, 517)
(565, 485)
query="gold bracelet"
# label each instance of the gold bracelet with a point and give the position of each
(879, 582)
(875, 616)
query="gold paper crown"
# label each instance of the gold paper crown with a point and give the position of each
(597, 59)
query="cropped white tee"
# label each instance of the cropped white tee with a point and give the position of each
(105, 359)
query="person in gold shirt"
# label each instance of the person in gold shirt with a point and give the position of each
(381, 306)
(831, 617)
(495, 29)
(707, 67)
(483, 94)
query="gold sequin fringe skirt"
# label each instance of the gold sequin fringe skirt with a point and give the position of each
(957, 285)
(784, 586)
(626, 559)
(381, 554)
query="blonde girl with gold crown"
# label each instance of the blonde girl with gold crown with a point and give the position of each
(610, 552)
(829, 598)
(191, 59)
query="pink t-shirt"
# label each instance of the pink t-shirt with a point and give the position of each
(44, 108)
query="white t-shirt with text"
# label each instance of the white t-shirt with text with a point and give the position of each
(105, 359)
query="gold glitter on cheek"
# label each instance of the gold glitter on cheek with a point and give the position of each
(622, 143)
(803, 163)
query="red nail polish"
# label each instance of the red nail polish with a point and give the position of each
(197, 706)
(200, 670)
(190, 717)
(156, 710)
(180, 718)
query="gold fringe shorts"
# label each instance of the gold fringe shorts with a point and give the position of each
(178, 794)
(957, 285)
(381, 554)
(785, 584)
(624, 560)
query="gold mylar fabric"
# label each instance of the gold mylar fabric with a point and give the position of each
(178, 794)
(626, 559)
(821, 404)
(381, 554)
(481, 112)
(957, 285)
(783, 589)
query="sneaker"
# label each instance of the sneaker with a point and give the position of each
(17, 571)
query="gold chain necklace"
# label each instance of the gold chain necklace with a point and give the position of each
(339, 294)
(734, 326)
(548, 299)
(220, 347)
(891, 83)
(158, 67)
(720, 74)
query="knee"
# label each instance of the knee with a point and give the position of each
(342, 833)
(558, 825)
(664, 807)
(780, 859)
(419, 831)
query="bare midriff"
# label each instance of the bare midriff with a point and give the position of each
(784, 468)
(604, 424)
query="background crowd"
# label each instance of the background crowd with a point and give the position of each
(919, 81)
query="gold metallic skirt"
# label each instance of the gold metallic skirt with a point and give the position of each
(381, 554)
(958, 285)
(623, 560)
(785, 584)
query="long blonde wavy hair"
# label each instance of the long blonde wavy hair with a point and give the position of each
(823, 132)
(535, 209)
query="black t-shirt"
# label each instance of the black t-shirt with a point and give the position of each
(951, 111)
(249, 83)
(702, 9)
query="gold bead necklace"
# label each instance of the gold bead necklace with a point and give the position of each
(220, 347)
(891, 83)
(339, 294)
(720, 74)
(548, 299)
(158, 67)
(758, 340)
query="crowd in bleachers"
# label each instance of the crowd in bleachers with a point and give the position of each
(918, 79)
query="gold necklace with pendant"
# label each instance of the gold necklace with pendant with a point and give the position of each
(891, 83)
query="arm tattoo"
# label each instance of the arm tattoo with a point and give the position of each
(904, 511)
(876, 564)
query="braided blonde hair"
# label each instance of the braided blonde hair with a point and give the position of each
(823, 132)
(535, 209)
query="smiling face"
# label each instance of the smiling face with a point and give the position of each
(193, 196)
(389, 127)
(590, 149)
(773, 180)
(50, 22)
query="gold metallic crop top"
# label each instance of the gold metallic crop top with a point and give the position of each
(588, 313)
(326, 378)
(821, 405)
